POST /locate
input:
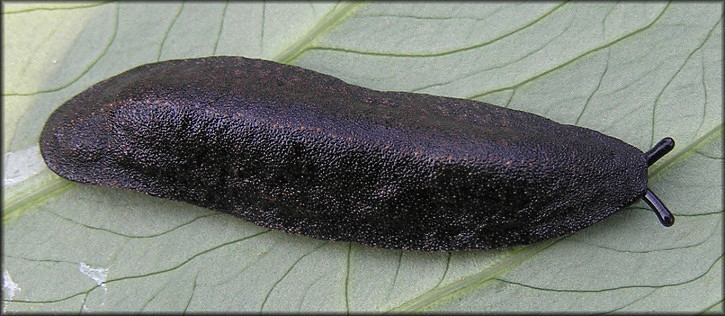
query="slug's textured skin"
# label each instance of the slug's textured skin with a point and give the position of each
(306, 153)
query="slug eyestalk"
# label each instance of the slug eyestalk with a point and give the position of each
(663, 147)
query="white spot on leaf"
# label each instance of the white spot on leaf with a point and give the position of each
(22, 164)
(96, 274)
(9, 287)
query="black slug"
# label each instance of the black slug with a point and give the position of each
(303, 152)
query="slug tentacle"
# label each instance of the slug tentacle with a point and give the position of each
(663, 214)
(660, 149)
(663, 147)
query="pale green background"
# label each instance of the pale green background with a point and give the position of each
(636, 71)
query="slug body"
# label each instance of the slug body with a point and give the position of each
(303, 152)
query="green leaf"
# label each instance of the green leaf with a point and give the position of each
(635, 71)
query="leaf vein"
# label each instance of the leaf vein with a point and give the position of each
(187, 260)
(82, 73)
(266, 297)
(443, 53)
(168, 31)
(602, 290)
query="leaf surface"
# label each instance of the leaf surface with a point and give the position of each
(635, 71)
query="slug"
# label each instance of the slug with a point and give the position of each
(306, 153)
